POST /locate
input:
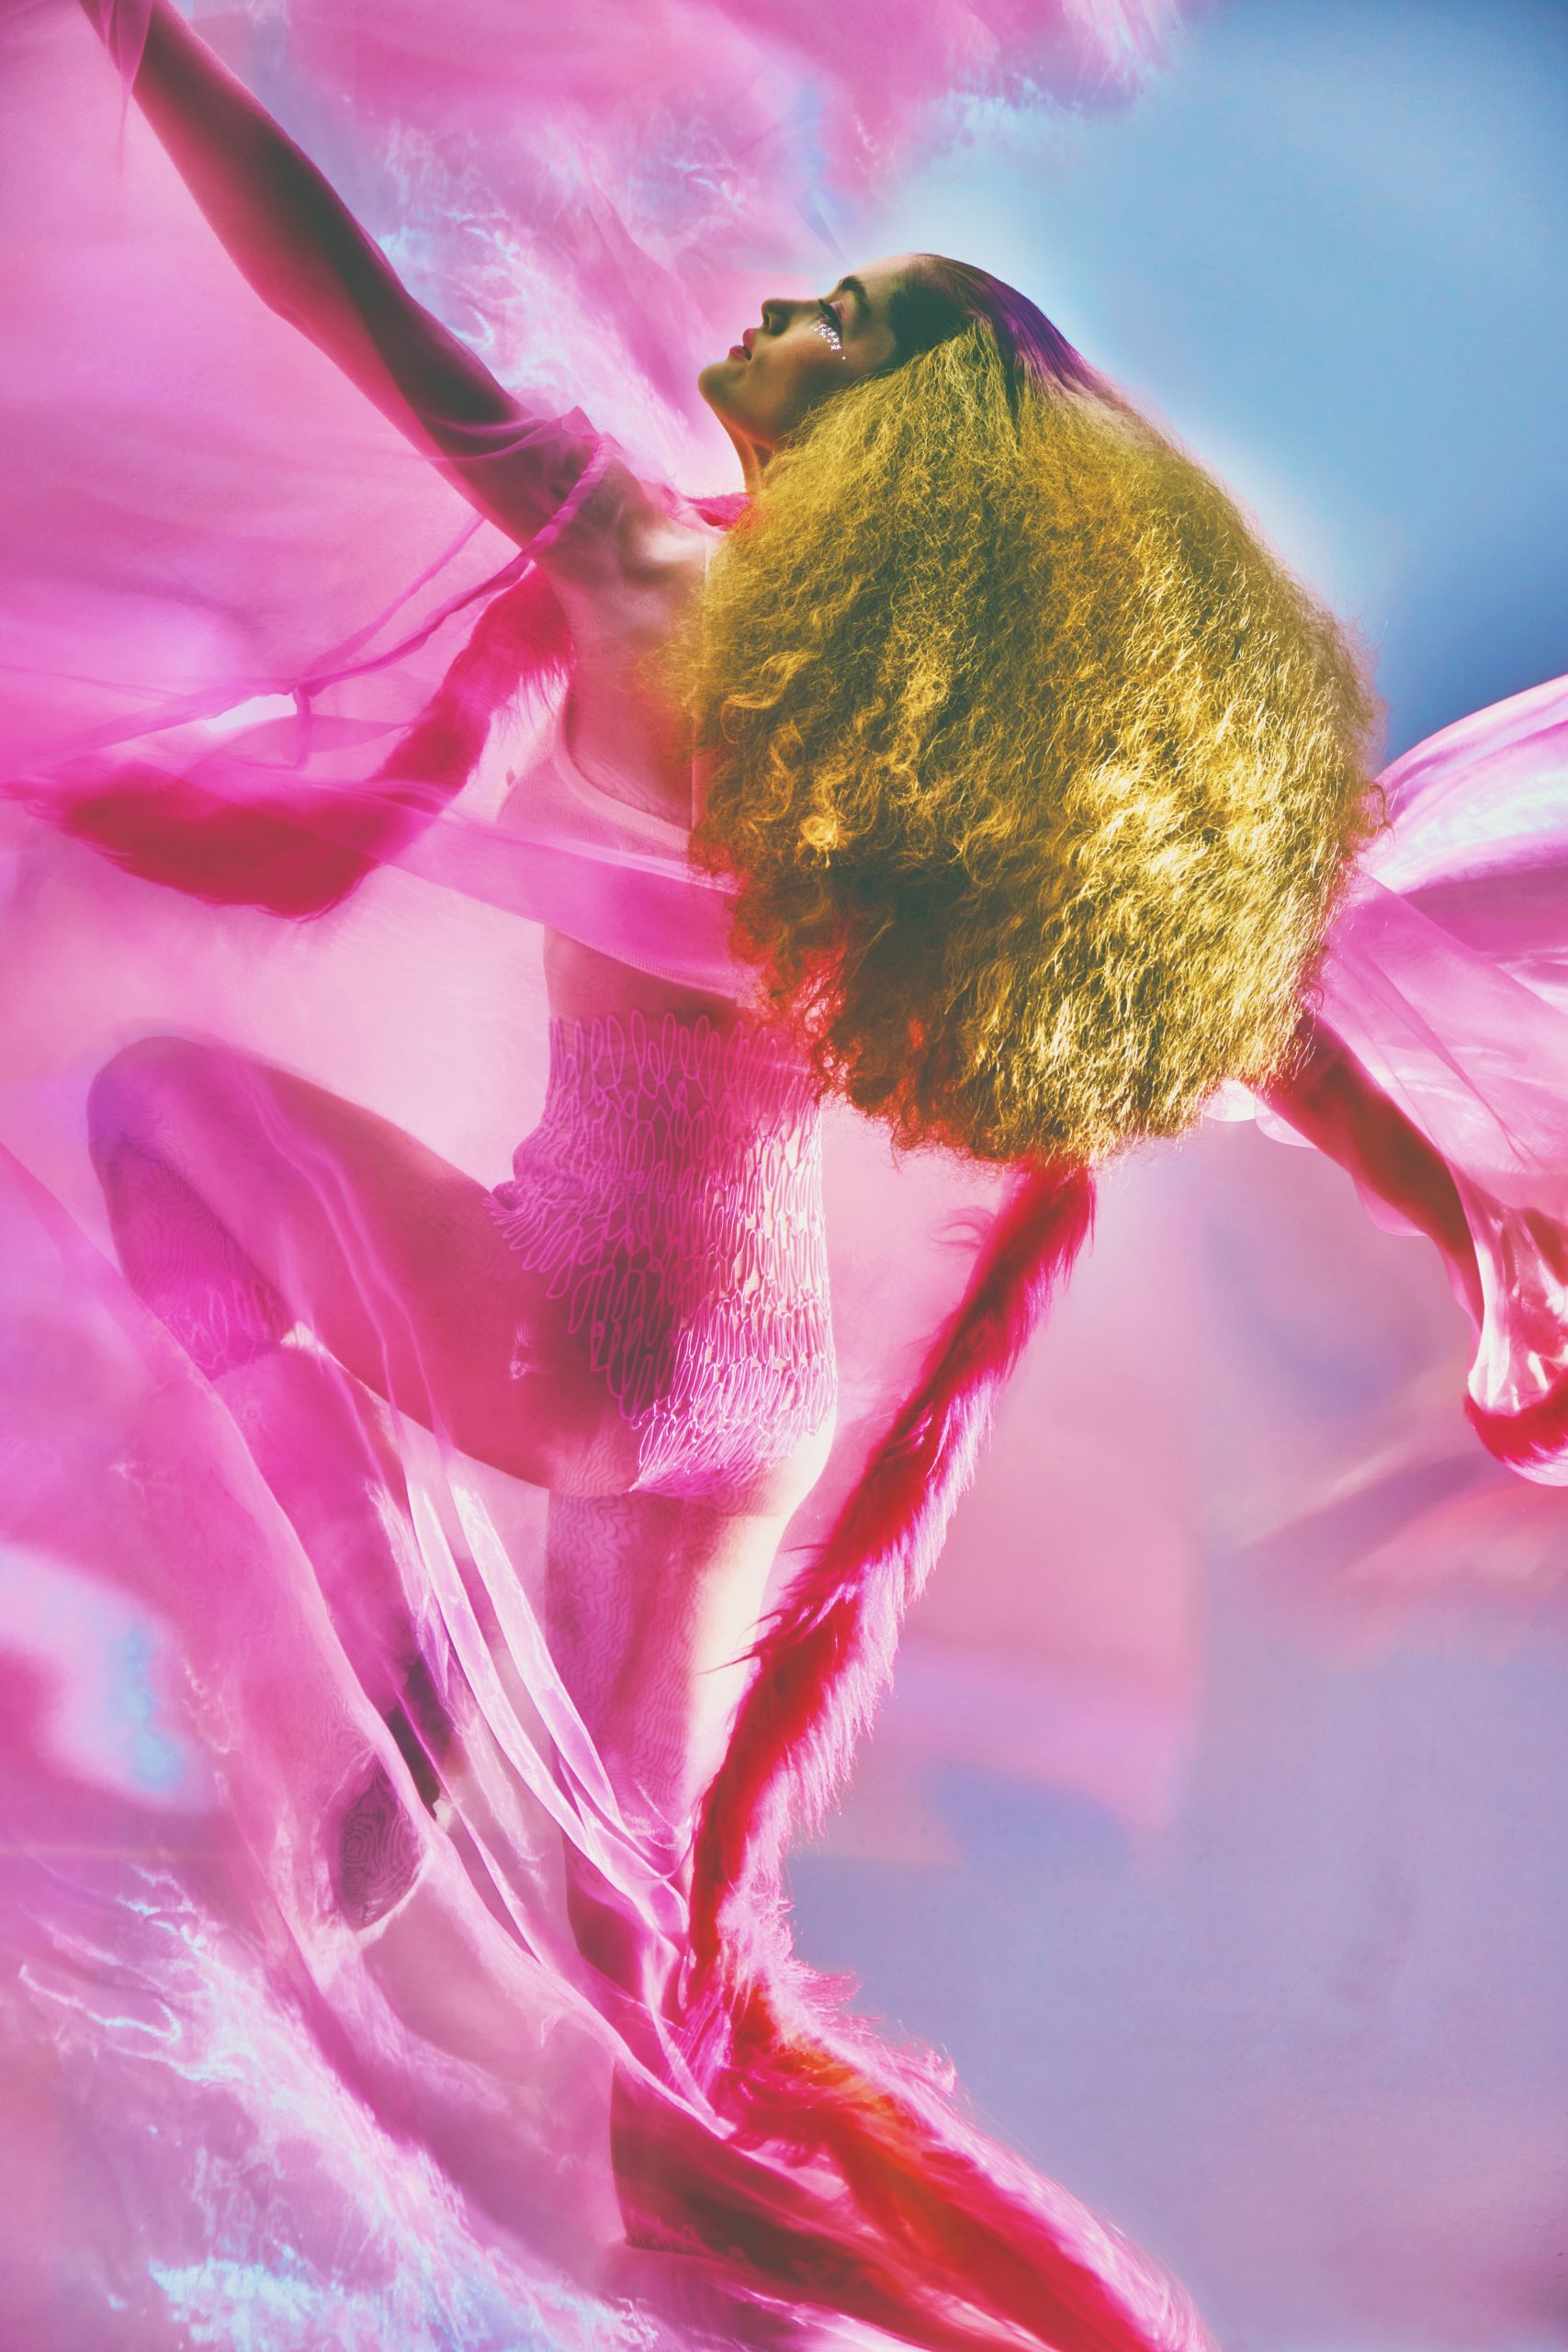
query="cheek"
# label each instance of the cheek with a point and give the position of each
(798, 379)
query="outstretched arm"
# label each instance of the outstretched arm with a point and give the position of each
(298, 245)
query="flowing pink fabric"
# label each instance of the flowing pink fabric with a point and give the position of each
(1444, 995)
(340, 2008)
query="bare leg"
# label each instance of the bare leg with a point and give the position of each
(652, 1605)
(244, 1199)
(316, 1435)
(343, 1216)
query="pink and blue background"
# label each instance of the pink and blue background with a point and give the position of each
(1214, 1826)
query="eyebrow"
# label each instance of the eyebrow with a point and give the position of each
(852, 286)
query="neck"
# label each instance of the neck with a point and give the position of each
(752, 459)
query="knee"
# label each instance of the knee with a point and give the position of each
(130, 1097)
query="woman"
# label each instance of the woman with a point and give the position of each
(1036, 785)
(488, 1352)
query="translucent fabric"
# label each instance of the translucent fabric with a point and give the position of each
(400, 1749)
(1443, 1000)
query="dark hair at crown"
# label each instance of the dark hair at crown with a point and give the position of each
(940, 298)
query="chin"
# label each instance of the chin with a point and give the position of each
(712, 383)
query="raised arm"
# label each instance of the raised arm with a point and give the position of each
(298, 245)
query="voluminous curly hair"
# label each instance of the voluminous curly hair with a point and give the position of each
(1039, 773)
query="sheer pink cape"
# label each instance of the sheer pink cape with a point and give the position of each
(226, 2110)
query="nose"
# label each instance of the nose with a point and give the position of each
(777, 315)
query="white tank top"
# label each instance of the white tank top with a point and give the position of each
(617, 877)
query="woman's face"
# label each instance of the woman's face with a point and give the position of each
(802, 353)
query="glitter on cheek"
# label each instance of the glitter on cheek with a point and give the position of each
(830, 336)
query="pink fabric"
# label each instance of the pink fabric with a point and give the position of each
(1446, 987)
(374, 1976)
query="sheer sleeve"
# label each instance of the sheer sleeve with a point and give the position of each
(256, 638)
(1436, 1061)
(300, 249)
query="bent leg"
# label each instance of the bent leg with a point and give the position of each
(244, 1199)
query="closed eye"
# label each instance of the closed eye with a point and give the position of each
(832, 317)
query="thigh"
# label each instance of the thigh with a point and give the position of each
(386, 1249)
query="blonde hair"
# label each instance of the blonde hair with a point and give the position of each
(1039, 775)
